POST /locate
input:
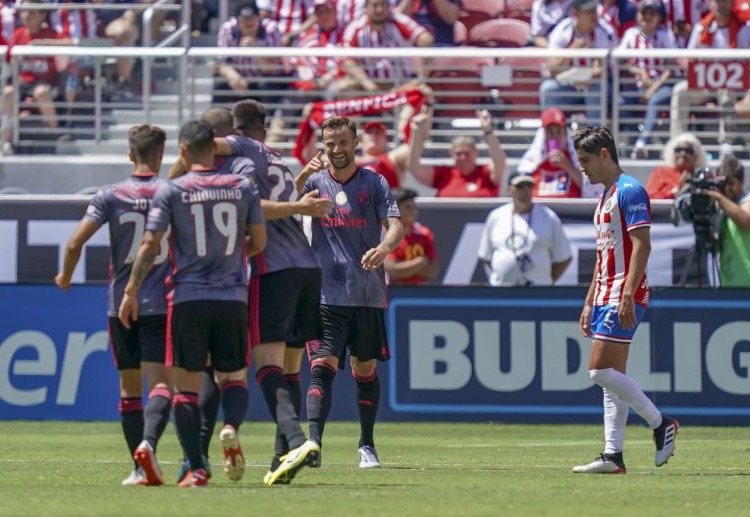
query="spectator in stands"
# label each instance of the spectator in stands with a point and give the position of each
(683, 154)
(720, 29)
(122, 28)
(322, 74)
(734, 224)
(437, 16)
(381, 28)
(523, 243)
(375, 154)
(8, 19)
(582, 30)
(349, 10)
(38, 76)
(414, 261)
(651, 78)
(620, 14)
(293, 17)
(465, 178)
(545, 15)
(681, 16)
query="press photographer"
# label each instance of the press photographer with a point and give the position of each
(734, 221)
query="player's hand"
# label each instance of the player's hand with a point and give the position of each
(373, 259)
(128, 310)
(584, 322)
(62, 282)
(317, 164)
(626, 313)
(314, 206)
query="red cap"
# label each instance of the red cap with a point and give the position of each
(375, 125)
(553, 116)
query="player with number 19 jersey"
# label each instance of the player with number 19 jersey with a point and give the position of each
(124, 206)
(624, 207)
(354, 226)
(205, 262)
(287, 244)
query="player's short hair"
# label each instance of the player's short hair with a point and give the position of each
(146, 141)
(333, 123)
(220, 119)
(249, 116)
(404, 194)
(593, 139)
(731, 168)
(197, 136)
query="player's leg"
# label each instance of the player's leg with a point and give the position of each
(126, 351)
(229, 356)
(368, 344)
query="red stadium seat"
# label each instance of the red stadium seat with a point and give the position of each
(519, 10)
(459, 33)
(502, 32)
(457, 86)
(474, 12)
(520, 100)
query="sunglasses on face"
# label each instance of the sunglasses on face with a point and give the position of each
(686, 150)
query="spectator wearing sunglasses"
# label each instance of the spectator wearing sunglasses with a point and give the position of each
(683, 154)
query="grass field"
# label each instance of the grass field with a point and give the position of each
(74, 469)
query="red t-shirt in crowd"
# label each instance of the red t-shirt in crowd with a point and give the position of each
(36, 69)
(663, 183)
(450, 183)
(383, 166)
(420, 242)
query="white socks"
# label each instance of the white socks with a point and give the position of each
(627, 389)
(615, 419)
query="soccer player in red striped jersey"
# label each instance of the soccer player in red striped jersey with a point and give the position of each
(616, 300)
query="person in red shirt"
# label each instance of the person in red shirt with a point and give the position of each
(389, 164)
(683, 154)
(465, 178)
(414, 261)
(38, 76)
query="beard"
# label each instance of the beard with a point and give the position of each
(341, 162)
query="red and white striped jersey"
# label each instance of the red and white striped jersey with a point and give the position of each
(230, 36)
(289, 14)
(622, 208)
(603, 36)
(400, 31)
(311, 67)
(634, 38)
(349, 10)
(76, 24)
(689, 11)
(8, 19)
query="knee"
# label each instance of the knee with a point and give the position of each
(600, 377)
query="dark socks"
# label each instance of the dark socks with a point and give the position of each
(209, 399)
(279, 400)
(234, 401)
(368, 399)
(319, 396)
(156, 415)
(131, 418)
(188, 421)
(292, 380)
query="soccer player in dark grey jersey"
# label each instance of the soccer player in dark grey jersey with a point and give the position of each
(353, 298)
(124, 207)
(210, 214)
(284, 296)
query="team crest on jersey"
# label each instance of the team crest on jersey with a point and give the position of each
(341, 198)
(608, 205)
(363, 197)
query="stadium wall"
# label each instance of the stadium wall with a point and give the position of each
(458, 353)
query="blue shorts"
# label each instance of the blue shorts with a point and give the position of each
(605, 325)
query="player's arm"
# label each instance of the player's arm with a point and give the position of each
(309, 204)
(374, 257)
(222, 147)
(83, 232)
(400, 269)
(313, 166)
(144, 261)
(257, 238)
(178, 168)
(584, 321)
(640, 250)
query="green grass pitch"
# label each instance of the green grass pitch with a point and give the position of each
(60, 469)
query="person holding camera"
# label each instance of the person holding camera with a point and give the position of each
(734, 223)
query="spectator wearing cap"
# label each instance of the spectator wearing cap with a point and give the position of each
(465, 178)
(383, 28)
(391, 164)
(583, 29)
(651, 80)
(545, 15)
(720, 29)
(551, 160)
(238, 75)
(414, 261)
(523, 243)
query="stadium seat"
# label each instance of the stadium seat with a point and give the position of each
(520, 100)
(474, 12)
(457, 86)
(459, 33)
(502, 32)
(519, 10)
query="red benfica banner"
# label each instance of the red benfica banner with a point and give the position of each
(369, 105)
